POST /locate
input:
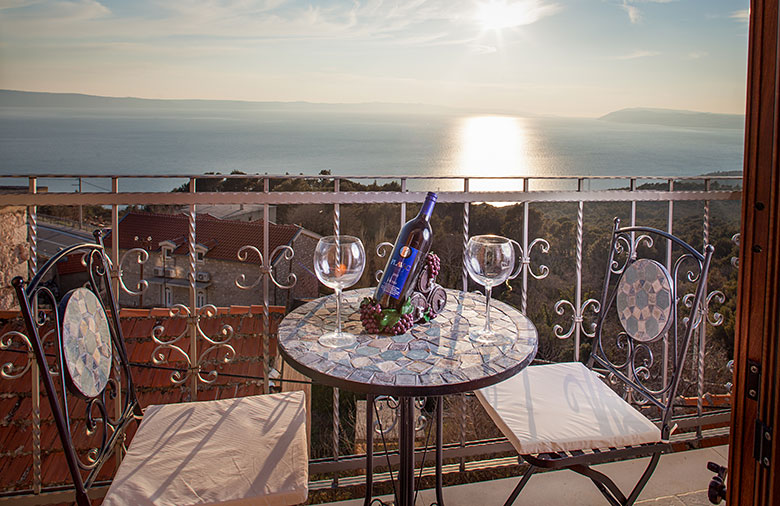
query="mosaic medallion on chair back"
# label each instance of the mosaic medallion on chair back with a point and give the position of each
(644, 300)
(86, 342)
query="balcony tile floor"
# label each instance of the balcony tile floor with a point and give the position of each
(681, 479)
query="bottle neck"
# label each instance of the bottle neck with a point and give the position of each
(427, 208)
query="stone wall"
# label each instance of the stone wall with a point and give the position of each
(14, 252)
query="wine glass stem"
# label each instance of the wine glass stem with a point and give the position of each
(338, 311)
(488, 291)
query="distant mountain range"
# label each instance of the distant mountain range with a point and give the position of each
(14, 98)
(674, 117)
(30, 99)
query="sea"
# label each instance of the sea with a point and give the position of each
(182, 141)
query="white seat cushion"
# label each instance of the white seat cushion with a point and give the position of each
(245, 450)
(564, 407)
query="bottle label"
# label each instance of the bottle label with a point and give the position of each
(400, 266)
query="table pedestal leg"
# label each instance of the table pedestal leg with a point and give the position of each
(439, 441)
(369, 449)
(406, 450)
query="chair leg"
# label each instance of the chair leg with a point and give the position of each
(608, 487)
(644, 479)
(603, 482)
(527, 476)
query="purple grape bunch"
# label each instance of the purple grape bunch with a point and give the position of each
(369, 313)
(404, 324)
(433, 264)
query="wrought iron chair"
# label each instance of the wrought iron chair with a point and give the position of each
(569, 415)
(229, 450)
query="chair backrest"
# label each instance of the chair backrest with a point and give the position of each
(77, 338)
(649, 311)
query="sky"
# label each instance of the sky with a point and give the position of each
(576, 58)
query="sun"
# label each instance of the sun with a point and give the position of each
(500, 14)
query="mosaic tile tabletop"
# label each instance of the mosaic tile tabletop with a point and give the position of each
(86, 341)
(644, 300)
(434, 358)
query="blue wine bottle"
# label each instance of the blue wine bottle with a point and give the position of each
(408, 258)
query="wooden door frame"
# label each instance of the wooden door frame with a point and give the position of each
(756, 339)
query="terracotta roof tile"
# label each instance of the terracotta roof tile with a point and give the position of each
(226, 236)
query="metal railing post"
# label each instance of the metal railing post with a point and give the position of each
(193, 317)
(703, 329)
(336, 402)
(669, 227)
(35, 373)
(465, 235)
(266, 295)
(403, 204)
(116, 288)
(578, 275)
(524, 295)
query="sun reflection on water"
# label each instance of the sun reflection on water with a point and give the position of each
(494, 146)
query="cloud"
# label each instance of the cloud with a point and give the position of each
(498, 14)
(633, 12)
(742, 15)
(483, 49)
(637, 54)
(695, 55)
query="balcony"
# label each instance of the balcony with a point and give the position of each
(189, 343)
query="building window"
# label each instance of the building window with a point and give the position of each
(201, 299)
(199, 255)
(167, 296)
(167, 253)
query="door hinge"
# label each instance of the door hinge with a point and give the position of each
(762, 444)
(753, 382)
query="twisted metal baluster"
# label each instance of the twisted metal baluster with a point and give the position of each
(669, 222)
(35, 373)
(336, 403)
(525, 256)
(462, 463)
(703, 329)
(526, 253)
(266, 296)
(465, 236)
(578, 275)
(117, 282)
(193, 316)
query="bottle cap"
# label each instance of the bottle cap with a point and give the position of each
(432, 196)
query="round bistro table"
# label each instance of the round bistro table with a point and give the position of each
(433, 359)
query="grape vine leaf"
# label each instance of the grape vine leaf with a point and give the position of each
(389, 317)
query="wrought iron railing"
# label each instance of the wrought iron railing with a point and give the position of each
(573, 312)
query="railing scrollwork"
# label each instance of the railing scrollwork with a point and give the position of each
(9, 370)
(141, 257)
(266, 269)
(214, 343)
(382, 250)
(577, 319)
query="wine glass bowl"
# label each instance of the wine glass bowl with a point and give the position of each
(490, 260)
(338, 263)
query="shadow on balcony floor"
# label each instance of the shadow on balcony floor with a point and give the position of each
(681, 479)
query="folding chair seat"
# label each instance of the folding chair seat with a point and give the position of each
(567, 415)
(237, 451)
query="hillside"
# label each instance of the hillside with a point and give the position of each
(674, 117)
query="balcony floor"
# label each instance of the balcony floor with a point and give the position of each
(681, 479)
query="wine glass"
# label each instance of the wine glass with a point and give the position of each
(489, 261)
(338, 262)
